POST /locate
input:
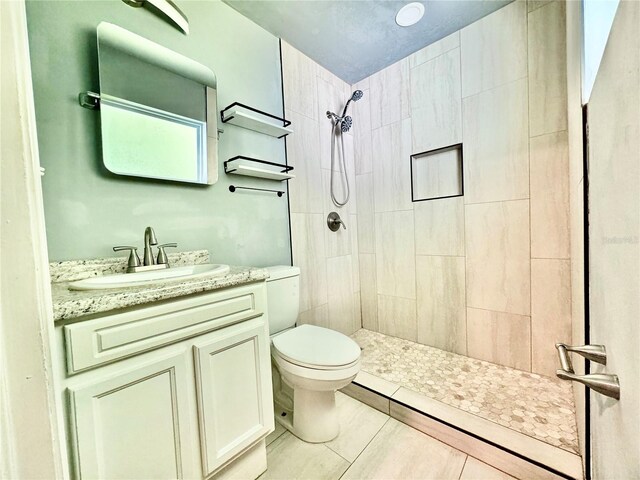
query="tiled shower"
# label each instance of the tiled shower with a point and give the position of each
(484, 275)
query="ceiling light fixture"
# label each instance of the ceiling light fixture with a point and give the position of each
(410, 14)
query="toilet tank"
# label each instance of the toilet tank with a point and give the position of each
(283, 297)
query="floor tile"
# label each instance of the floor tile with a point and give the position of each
(290, 458)
(276, 433)
(476, 470)
(367, 397)
(400, 452)
(359, 423)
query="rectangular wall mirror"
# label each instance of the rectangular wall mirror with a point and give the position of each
(159, 119)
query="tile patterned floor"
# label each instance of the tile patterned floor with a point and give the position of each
(370, 446)
(532, 404)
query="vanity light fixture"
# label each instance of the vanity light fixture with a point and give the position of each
(168, 8)
(410, 14)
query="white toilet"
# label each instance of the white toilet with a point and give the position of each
(309, 363)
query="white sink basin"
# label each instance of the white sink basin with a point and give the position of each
(173, 274)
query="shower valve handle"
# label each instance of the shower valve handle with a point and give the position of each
(334, 222)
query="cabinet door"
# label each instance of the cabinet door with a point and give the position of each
(136, 423)
(233, 379)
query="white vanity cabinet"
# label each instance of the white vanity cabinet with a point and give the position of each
(135, 424)
(180, 389)
(233, 379)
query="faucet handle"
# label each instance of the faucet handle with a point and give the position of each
(134, 259)
(162, 256)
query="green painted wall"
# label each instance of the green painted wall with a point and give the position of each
(88, 210)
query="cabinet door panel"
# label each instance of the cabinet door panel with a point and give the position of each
(233, 379)
(135, 424)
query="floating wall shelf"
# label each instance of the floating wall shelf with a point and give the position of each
(256, 120)
(252, 167)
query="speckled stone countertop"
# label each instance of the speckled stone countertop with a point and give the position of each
(68, 304)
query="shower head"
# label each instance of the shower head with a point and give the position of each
(355, 96)
(345, 124)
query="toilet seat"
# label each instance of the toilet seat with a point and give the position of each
(316, 348)
(314, 378)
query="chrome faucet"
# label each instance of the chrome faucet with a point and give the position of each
(149, 239)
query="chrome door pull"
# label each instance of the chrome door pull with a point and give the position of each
(595, 353)
(603, 383)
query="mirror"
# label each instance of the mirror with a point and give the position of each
(158, 110)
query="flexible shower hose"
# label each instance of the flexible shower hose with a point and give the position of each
(335, 131)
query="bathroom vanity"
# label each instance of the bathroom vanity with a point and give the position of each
(176, 387)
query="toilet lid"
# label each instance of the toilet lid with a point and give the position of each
(311, 345)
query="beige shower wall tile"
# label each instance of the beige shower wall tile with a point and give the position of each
(535, 4)
(395, 254)
(391, 167)
(496, 144)
(334, 80)
(439, 226)
(550, 312)
(338, 243)
(498, 263)
(366, 229)
(550, 236)
(340, 294)
(397, 317)
(303, 153)
(363, 151)
(441, 310)
(355, 262)
(494, 49)
(501, 338)
(368, 292)
(436, 103)
(390, 96)
(299, 79)
(357, 312)
(318, 316)
(547, 69)
(309, 253)
(435, 49)
(362, 133)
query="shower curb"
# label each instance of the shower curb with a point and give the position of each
(537, 461)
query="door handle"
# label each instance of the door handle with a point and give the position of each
(605, 384)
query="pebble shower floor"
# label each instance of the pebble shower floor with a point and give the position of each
(532, 404)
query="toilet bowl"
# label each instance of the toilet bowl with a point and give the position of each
(309, 363)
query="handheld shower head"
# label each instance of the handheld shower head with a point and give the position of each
(355, 96)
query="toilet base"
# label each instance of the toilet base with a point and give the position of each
(309, 413)
(315, 421)
(315, 417)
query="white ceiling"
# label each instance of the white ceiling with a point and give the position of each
(355, 38)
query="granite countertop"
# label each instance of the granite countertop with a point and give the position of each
(68, 304)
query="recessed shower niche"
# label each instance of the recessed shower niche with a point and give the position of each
(437, 174)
